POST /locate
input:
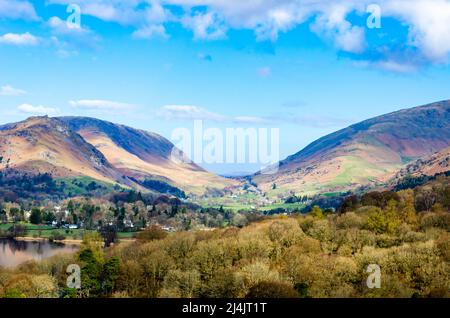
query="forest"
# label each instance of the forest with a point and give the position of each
(318, 254)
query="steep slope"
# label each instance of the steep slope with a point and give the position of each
(48, 145)
(369, 152)
(143, 155)
(438, 162)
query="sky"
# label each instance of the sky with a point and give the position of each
(305, 67)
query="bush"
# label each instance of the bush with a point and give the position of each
(439, 220)
(270, 289)
(286, 232)
(16, 230)
(349, 220)
(383, 221)
(443, 245)
(154, 232)
(320, 230)
(56, 236)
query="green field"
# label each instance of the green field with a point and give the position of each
(247, 202)
(287, 206)
(46, 231)
(81, 186)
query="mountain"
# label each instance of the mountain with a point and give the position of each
(437, 163)
(116, 154)
(367, 153)
(47, 145)
(143, 155)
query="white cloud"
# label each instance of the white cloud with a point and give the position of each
(63, 28)
(151, 31)
(98, 104)
(389, 65)
(206, 26)
(429, 25)
(13, 9)
(136, 13)
(41, 110)
(68, 38)
(332, 24)
(8, 90)
(24, 39)
(427, 20)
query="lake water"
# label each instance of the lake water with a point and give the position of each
(13, 253)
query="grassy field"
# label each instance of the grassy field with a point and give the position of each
(287, 206)
(45, 231)
(247, 202)
(80, 185)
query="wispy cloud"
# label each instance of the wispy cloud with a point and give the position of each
(189, 112)
(24, 39)
(404, 67)
(69, 38)
(61, 27)
(40, 110)
(13, 9)
(99, 104)
(252, 120)
(151, 31)
(8, 90)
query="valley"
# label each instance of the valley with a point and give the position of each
(376, 190)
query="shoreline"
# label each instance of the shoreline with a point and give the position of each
(43, 239)
(65, 241)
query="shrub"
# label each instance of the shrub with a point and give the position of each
(317, 212)
(383, 221)
(56, 236)
(286, 232)
(443, 245)
(439, 220)
(257, 272)
(225, 283)
(153, 232)
(270, 289)
(320, 230)
(15, 230)
(183, 284)
(349, 220)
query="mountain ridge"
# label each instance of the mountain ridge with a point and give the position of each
(364, 153)
(108, 152)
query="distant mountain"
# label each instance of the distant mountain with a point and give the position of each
(366, 153)
(116, 154)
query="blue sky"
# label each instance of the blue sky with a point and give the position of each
(305, 67)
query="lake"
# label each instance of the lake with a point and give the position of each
(13, 253)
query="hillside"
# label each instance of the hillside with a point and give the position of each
(143, 156)
(47, 145)
(438, 162)
(366, 153)
(111, 153)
